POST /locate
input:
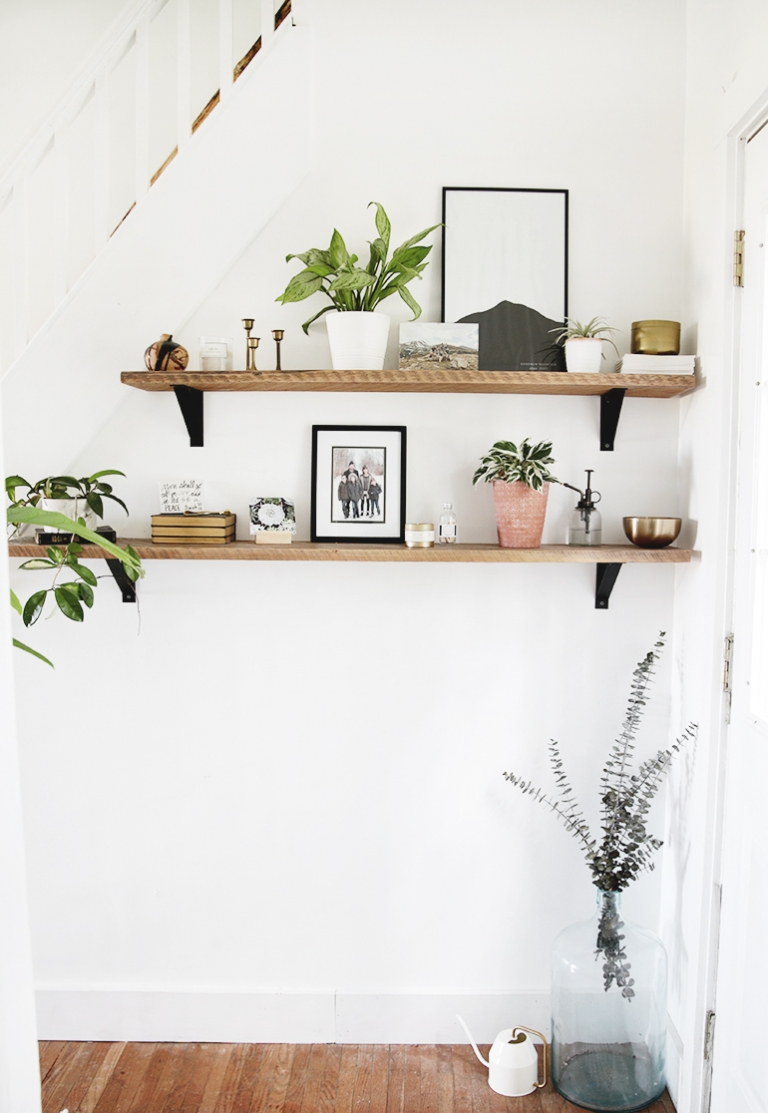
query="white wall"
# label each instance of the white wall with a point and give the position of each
(43, 44)
(726, 83)
(238, 817)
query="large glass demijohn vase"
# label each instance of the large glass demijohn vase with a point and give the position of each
(609, 989)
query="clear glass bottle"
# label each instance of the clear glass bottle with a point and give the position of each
(586, 522)
(448, 530)
(609, 1011)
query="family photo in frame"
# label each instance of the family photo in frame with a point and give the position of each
(358, 483)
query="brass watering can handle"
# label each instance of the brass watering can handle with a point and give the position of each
(522, 1028)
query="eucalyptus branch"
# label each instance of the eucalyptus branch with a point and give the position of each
(625, 847)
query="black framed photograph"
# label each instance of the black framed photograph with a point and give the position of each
(505, 268)
(358, 483)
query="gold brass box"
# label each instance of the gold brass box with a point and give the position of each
(656, 338)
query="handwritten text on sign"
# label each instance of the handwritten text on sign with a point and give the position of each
(186, 494)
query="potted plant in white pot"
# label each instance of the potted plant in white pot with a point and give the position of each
(520, 478)
(357, 335)
(63, 494)
(583, 344)
(70, 595)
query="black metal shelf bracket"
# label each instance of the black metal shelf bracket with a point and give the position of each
(126, 585)
(604, 581)
(190, 401)
(610, 410)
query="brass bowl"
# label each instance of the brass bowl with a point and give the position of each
(656, 338)
(652, 533)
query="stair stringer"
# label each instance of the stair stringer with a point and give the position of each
(169, 255)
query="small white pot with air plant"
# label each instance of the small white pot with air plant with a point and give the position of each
(583, 344)
(358, 336)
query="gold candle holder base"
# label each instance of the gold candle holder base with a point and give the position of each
(277, 336)
(253, 343)
(247, 325)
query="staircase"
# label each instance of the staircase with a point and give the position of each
(162, 165)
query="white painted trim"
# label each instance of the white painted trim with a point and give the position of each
(674, 1060)
(279, 43)
(183, 73)
(252, 1017)
(267, 21)
(19, 1062)
(114, 40)
(226, 65)
(693, 1064)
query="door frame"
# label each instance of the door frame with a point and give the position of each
(732, 328)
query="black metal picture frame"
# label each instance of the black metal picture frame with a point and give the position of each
(358, 483)
(505, 267)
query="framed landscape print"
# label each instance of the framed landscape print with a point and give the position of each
(358, 483)
(505, 267)
(429, 347)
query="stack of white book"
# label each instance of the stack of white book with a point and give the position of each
(657, 365)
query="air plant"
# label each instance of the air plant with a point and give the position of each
(625, 847)
(592, 330)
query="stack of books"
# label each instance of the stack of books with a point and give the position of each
(194, 528)
(657, 365)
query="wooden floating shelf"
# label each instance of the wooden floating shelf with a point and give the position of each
(417, 382)
(608, 559)
(190, 387)
(372, 552)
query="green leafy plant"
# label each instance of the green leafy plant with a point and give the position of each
(596, 329)
(359, 289)
(92, 489)
(625, 847)
(510, 464)
(71, 595)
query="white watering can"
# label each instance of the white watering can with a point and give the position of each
(513, 1065)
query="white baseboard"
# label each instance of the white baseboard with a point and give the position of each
(674, 1060)
(191, 1017)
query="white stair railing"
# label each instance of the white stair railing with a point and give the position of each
(160, 71)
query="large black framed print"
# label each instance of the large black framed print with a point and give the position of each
(505, 267)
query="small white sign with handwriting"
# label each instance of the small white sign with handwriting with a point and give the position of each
(184, 494)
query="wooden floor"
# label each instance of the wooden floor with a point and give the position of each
(277, 1078)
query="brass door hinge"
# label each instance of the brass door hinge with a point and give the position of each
(727, 667)
(738, 258)
(709, 1035)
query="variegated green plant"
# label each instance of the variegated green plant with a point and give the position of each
(359, 289)
(510, 464)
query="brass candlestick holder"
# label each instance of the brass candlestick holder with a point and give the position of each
(277, 335)
(253, 343)
(248, 325)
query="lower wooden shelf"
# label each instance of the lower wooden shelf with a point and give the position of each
(607, 559)
(372, 552)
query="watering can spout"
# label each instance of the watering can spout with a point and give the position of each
(474, 1045)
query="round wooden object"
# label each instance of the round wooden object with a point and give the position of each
(166, 355)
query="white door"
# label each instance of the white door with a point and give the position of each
(740, 1052)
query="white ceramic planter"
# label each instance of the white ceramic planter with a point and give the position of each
(584, 354)
(358, 340)
(70, 508)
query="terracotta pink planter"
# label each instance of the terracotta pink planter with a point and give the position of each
(520, 514)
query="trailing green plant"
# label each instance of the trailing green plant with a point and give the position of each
(70, 595)
(510, 464)
(333, 272)
(91, 489)
(595, 329)
(625, 847)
